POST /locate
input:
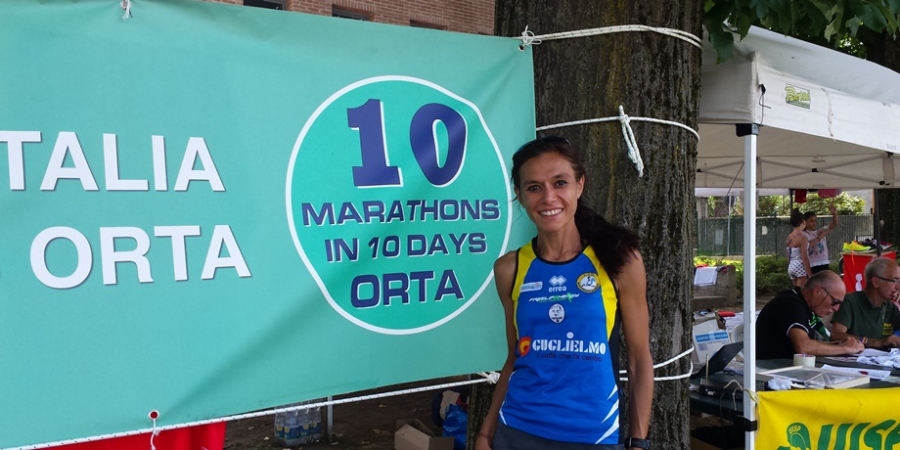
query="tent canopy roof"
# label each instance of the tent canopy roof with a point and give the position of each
(829, 120)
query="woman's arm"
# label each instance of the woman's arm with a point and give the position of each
(632, 284)
(834, 219)
(504, 272)
(804, 254)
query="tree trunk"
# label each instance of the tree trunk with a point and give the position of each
(886, 51)
(479, 404)
(650, 75)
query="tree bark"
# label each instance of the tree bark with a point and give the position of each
(650, 75)
(886, 52)
(479, 405)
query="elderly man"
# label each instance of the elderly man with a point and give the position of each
(868, 315)
(788, 323)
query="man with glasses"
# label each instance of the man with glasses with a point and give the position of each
(788, 324)
(868, 315)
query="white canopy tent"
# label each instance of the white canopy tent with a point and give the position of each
(828, 120)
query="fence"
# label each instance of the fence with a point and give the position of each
(725, 236)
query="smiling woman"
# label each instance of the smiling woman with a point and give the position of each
(565, 295)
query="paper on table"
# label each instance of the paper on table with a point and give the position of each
(873, 352)
(873, 374)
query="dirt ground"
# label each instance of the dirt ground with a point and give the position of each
(362, 425)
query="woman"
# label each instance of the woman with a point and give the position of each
(565, 294)
(798, 250)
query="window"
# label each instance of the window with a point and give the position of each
(421, 24)
(344, 13)
(267, 4)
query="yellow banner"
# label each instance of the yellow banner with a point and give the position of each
(829, 419)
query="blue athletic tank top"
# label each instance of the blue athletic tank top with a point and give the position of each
(564, 382)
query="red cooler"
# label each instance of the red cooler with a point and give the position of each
(855, 266)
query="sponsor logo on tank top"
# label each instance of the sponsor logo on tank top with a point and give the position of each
(562, 348)
(557, 313)
(533, 286)
(557, 284)
(524, 346)
(568, 296)
(587, 282)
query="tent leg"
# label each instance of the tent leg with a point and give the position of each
(750, 201)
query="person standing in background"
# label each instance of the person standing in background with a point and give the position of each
(797, 246)
(818, 248)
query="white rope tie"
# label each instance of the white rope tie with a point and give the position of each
(126, 5)
(154, 431)
(634, 152)
(666, 363)
(529, 38)
(492, 377)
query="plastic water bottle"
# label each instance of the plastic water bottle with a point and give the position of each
(303, 419)
(279, 425)
(292, 429)
(315, 424)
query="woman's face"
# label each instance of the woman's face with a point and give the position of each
(549, 191)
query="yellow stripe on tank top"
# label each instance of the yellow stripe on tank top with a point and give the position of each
(610, 302)
(523, 262)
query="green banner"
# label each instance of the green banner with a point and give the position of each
(210, 209)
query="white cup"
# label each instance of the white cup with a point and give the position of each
(804, 360)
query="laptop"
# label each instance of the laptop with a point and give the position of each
(716, 387)
(719, 359)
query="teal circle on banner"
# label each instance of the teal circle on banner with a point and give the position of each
(398, 202)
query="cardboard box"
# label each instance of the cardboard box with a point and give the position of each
(412, 434)
(708, 336)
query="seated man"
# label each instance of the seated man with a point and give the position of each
(788, 323)
(869, 315)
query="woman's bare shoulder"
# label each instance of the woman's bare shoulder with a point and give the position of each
(506, 262)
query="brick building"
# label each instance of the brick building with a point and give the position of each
(467, 16)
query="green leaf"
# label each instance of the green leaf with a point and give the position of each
(817, 20)
(894, 6)
(723, 42)
(785, 22)
(709, 5)
(760, 7)
(796, 12)
(831, 30)
(872, 18)
(853, 24)
(826, 8)
(857, 7)
(742, 19)
(892, 20)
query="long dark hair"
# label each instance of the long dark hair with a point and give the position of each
(796, 217)
(612, 243)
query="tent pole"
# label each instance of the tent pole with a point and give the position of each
(749, 132)
(876, 223)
